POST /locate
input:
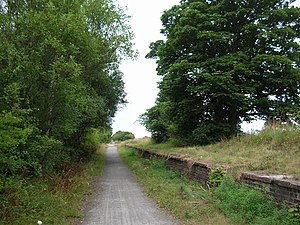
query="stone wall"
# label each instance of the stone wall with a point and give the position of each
(284, 188)
(195, 170)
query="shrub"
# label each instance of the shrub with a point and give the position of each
(215, 177)
(92, 139)
(122, 136)
(15, 130)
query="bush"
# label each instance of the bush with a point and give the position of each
(122, 136)
(216, 177)
(92, 139)
(15, 130)
(210, 132)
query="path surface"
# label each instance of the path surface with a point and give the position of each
(119, 200)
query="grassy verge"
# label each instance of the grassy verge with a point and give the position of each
(248, 206)
(274, 149)
(55, 200)
(194, 205)
(186, 200)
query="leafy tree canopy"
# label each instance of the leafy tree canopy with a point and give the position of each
(223, 62)
(122, 136)
(60, 82)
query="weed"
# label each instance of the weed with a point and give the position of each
(215, 177)
(249, 206)
(295, 213)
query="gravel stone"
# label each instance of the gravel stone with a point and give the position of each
(119, 200)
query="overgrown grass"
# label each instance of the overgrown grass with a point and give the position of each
(195, 205)
(186, 200)
(249, 206)
(55, 200)
(275, 149)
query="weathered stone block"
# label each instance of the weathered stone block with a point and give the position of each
(282, 187)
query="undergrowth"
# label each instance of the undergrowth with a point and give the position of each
(53, 199)
(249, 206)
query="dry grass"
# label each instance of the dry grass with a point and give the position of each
(275, 149)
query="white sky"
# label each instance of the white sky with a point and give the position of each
(140, 75)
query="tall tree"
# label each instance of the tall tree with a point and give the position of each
(227, 61)
(59, 72)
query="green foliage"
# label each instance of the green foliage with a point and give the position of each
(216, 177)
(15, 132)
(278, 136)
(60, 83)
(249, 206)
(186, 200)
(222, 63)
(155, 121)
(122, 136)
(240, 204)
(92, 139)
(105, 135)
(295, 213)
(53, 200)
(47, 155)
(274, 149)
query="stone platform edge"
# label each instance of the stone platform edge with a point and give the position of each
(284, 188)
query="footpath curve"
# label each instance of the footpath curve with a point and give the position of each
(119, 200)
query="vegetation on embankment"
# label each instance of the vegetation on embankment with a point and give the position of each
(60, 87)
(274, 149)
(186, 200)
(55, 200)
(189, 202)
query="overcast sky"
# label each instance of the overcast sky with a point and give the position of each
(140, 75)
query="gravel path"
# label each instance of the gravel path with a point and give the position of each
(119, 200)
